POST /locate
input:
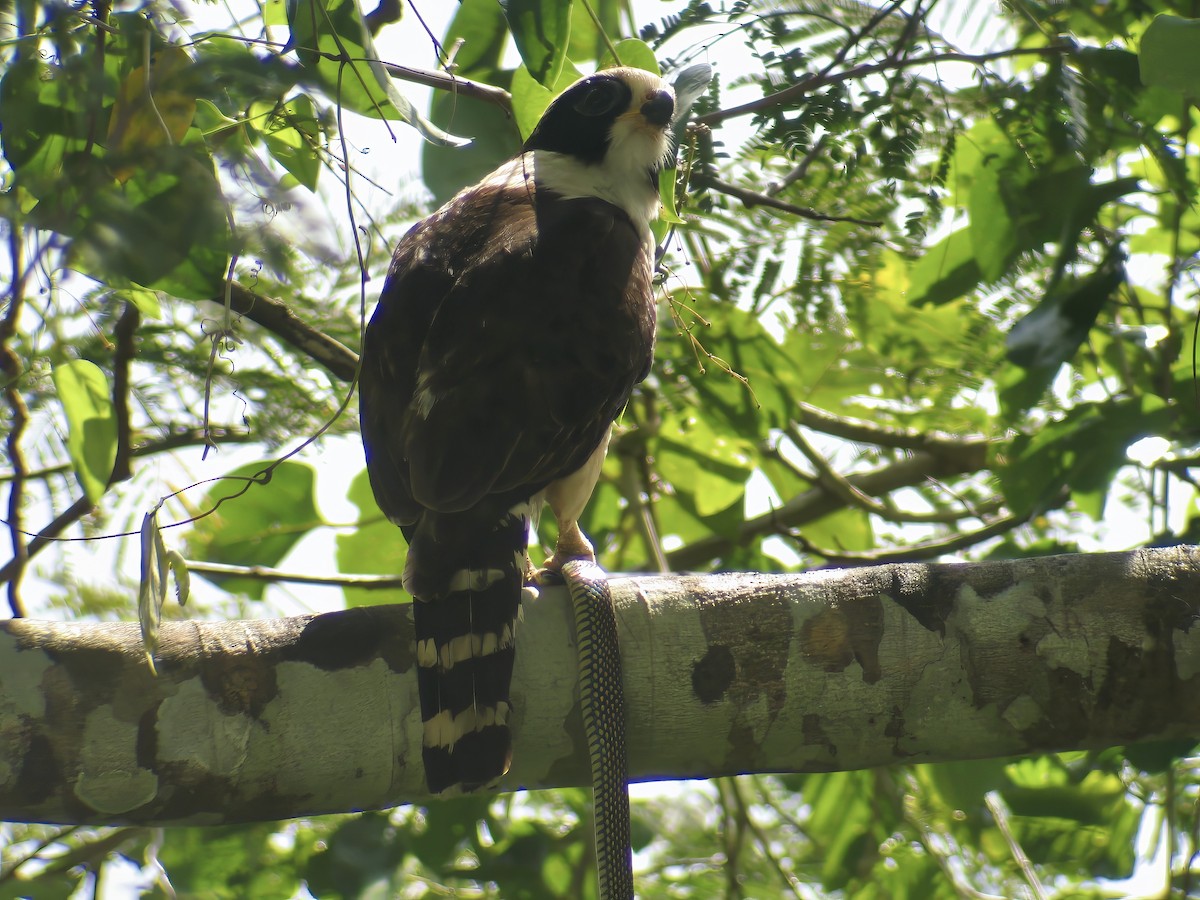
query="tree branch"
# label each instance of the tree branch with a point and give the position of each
(827, 671)
(754, 198)
(444, 81)
(811, 505)
(266, 573)
(971, 450)
(796, 92)
(278, 319)
(175, 440)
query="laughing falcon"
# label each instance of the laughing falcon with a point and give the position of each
(512, 327)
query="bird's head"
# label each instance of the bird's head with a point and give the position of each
(607, 135)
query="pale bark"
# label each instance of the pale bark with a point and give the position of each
(730, 673)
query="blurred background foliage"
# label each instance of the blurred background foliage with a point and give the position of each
(935, 298)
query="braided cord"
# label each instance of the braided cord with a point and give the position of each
(602, 702)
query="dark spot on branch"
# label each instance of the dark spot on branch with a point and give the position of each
(240, 685)
(343, 640)
(146, 748)
(39, 775)
(713, 675)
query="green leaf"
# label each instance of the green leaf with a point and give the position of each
(362, 854)
(497, 139)
(480, 28)
(292, 133)
(530, 97)
(847, 530)
(633, 53)
(946, 271)
(542, 32)
(146, 301)
(1050, 334)
(333, 44)
(709, 467)
(257, 525)
(229, 861)
(1080, 452)
(993, 230)
(164, 228)
(373, 547)
(152, 590)
(1170, 55)
(91, 423)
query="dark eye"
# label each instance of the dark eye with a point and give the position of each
(599, 98)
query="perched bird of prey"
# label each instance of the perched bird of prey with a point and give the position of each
(511, 329)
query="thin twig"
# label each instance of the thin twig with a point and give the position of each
(266, 573)
(69, 516)
(9, 871)
(807, 86)
(278, 319)
(12, 368)
(175, 440)
(764, 842)
(971, 450)
(754, 198)
(812, 504)
(852, 496)
(444, 81)
(913, 552)
(999, 813)
(123, 355)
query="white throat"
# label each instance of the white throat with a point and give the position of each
(614, 179)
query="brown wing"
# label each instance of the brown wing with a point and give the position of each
(507, 338)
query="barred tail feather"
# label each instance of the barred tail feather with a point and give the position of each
(465, 649)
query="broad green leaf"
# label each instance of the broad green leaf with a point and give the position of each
(1080, 452)
(497, 139)
(147, 302)
(962, 785)
(1170, 55)
(993, 231)
(373, 547)
(164, 228)
(632, 53)
(530, 97)
(1050, 334)
(946, 271)
(364, 853)
(711, 468)
(91, 423)
(333, 44)
(542, 32)
(847, 530)
(257, 524)
(293, 136)
(153, 108)
(479, 27)
(227, 861)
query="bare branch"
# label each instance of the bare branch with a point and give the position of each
(277, 318)
(266, 573)
(811, 505)
(12, 368)
(175, 440)
(443, 81)
(754, 198)
(122, 356)
(797, 91)
(929, 663)
(971, 451)
(915, 552)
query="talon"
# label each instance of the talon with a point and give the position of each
(547, 577)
